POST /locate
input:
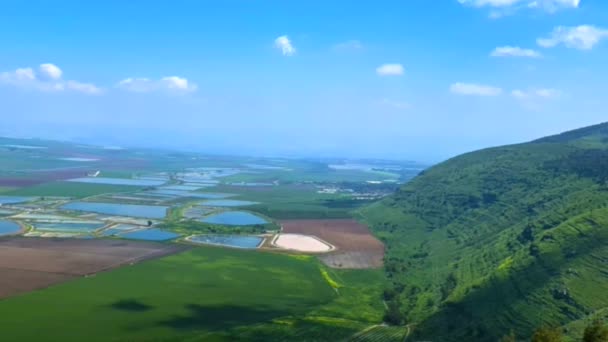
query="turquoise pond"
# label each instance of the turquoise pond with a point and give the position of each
(227, 203)
(68, 227)
(8, 227)
(182, 193)
(150, 235)
(112, 231)
(132, 210)
(13, 199)
(237, 241)
(182, 187)
(118, 181)
(234, 218)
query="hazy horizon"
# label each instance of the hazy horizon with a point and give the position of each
(395, 80)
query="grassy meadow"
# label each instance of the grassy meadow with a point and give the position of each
(206, 293)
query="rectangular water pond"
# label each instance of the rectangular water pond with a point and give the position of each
(14, 199)
(182, 193)
(4, 212)
(234, 218)
(119, 229)
(252, 184)
(200, 182)
(132, 210)
(182, 187)
(227, 203)
(68, 226)
(236, 241)
(8, 227)
(118, 181)
(150, 235)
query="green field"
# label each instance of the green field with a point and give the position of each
(295, 202)
(203, 294)
(5, 189)
(206, 293)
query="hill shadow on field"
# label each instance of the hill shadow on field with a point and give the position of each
(131, 305)
(222, 317)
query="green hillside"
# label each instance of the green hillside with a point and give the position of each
(505, 238)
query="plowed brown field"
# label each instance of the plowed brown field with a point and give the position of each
(28, 264)
(356, 246)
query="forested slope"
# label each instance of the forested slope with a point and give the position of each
(505, 238)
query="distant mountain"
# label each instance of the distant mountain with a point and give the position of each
(506, 238)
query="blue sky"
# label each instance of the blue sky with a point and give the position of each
(414, 79)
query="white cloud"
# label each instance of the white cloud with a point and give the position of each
(351, 45)
(180, 83)
(146, 85)
(540, 93)
(520, 94)
(391, 69)
(514, 51)
(284, 44)
(553, 5)
(138, 85)
(489, 3)
(460, 88)
(583, 37)
(24, 74)
(395, 104)
(50, 71)
(502, 7)
(48, 79)
(87, 88)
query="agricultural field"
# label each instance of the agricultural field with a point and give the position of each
(141, 245)
(355, 246)
(202, 294)
(381, 333)
(28, 264)
(304, 201)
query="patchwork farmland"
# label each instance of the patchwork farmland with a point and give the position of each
(28, 264)
(215, 266)
(355, 246)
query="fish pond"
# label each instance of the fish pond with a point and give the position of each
(8, 227)
(13, 199)
(236, 241)
(227, 203)
(182, 187)
(150, 235)
(80, 227)
(234, 218)
(132, 210)
(118, 181)
(119, 229)
(182, 193)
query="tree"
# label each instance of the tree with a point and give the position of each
(596, 332)
(546, 334)
(509, 338)
(393, 314)
(389, 294)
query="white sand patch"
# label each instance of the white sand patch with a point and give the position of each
(302, 243)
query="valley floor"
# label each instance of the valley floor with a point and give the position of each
(204, 293)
